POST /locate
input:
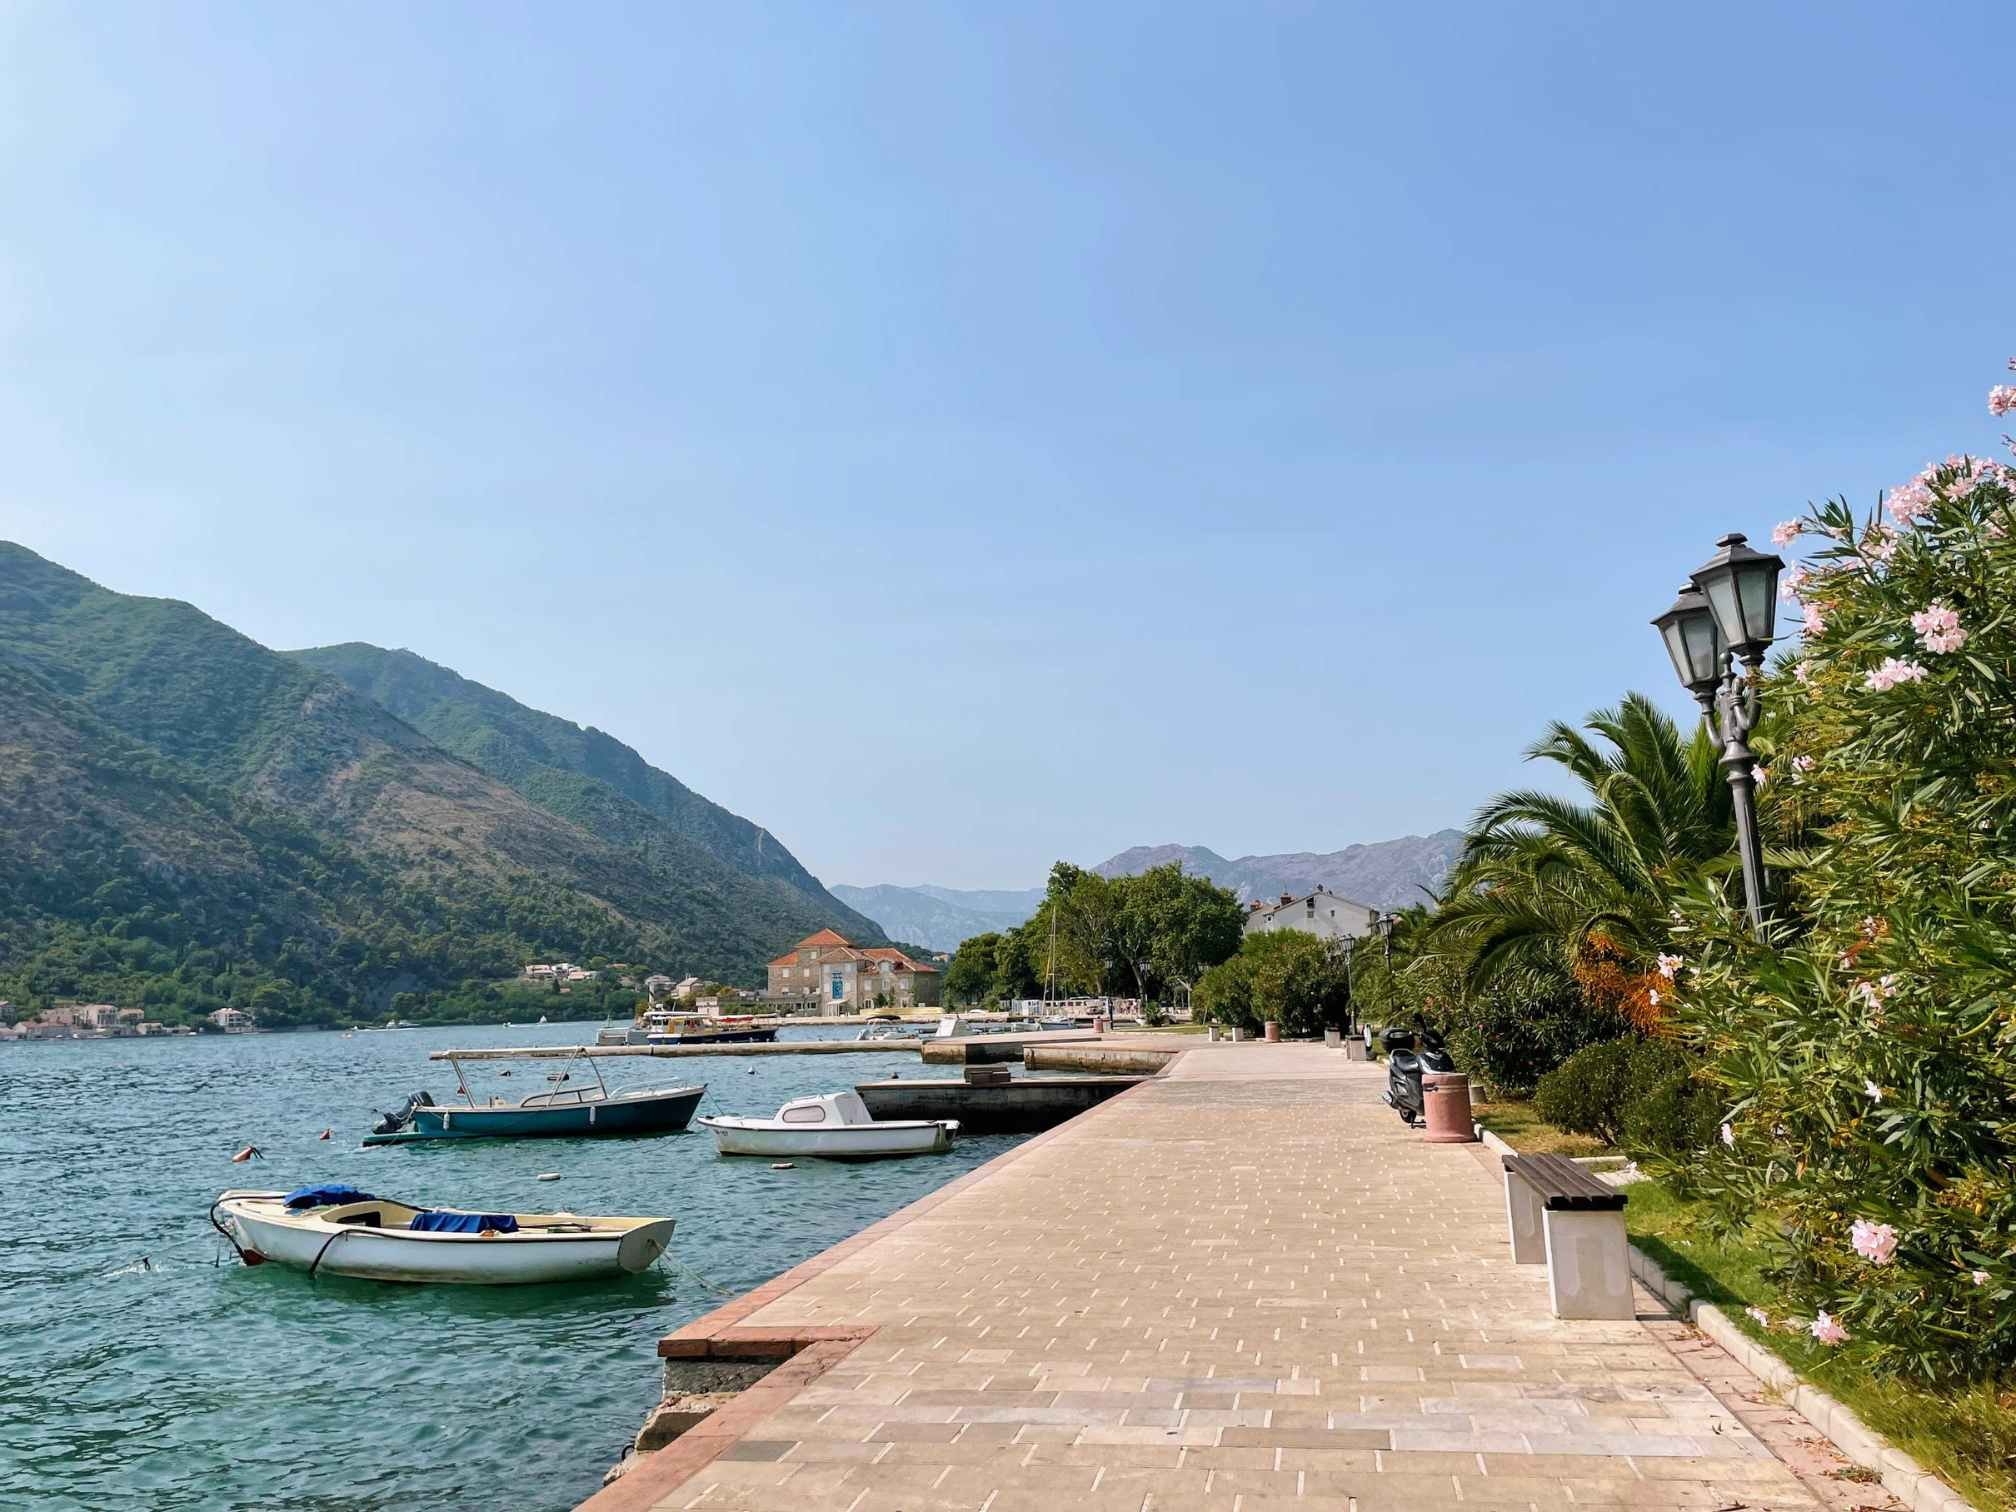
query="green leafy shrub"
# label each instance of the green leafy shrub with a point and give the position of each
(1669, 1118)
(1632, 1092)
(1510, 1033)
(1866, 1057)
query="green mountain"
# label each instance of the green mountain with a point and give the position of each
(188, 819)
(583, 775)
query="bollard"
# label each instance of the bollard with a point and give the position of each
(1271, 1031)
(1445, 1098)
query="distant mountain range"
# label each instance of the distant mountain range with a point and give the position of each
(939, 916)
(1385, 874)
(188, 819)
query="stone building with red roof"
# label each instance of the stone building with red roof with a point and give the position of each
(828, 973)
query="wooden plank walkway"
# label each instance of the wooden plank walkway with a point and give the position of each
(1240, 1287)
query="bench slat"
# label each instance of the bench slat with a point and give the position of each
(1564, 1186)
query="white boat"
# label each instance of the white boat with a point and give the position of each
(837, 1126)
(344, 1232)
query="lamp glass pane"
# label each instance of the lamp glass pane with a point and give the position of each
(1673, 631)
(1704, 647)
(1756, 587)
(1720, 588)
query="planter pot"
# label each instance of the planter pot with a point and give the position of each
(1272, 1031)
(1332, 1038)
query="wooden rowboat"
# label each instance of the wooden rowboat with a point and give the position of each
(341, 1231)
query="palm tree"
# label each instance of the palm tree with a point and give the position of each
(1543, 878)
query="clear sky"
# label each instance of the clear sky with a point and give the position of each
(958, 436)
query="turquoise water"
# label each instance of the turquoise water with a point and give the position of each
(200, 1383)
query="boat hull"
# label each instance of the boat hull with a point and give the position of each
(715, 1037)
(884, 1141)
(626, 1113)
(458, 1259)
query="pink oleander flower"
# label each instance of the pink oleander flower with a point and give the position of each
(1874, 1092)
(1938, 628)
(1802, 763)
(1652, 996)
(1881, 542)
(1908, 501)
(1803, 672)
(1759, 775)
(1891, 673)
(1816, 622)
(1827, 1329)
(1758, 1316)
(1785, 532)
(1870, 994)
(1729, 1135)
(2001, 399)
(1669, 965)
(1979, 1278)
(1795, 577)
(1874, 1242)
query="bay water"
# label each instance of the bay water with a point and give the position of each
(142, 1366)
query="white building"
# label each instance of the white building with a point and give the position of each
(232, 1020)
(1328, 915)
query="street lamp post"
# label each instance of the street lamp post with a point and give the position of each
(1724, 616)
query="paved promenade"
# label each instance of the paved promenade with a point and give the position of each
(1240, 1287)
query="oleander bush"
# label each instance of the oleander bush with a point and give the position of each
(1865, 1056)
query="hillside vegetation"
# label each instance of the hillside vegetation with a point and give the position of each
(188, 819)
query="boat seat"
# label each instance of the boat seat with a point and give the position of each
(367, 1214)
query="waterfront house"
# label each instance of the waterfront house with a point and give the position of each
(1322, 913)
(827, 973)
(657, 987)
(232, 1020)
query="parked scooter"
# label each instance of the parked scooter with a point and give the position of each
(1404, 1067)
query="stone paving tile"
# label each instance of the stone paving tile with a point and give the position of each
(1246, 1286)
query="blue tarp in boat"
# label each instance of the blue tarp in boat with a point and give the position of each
(326, 1196)
(463, 1223)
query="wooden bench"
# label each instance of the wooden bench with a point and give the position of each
(1560, 1214)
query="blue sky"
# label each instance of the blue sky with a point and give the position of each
(958, 436)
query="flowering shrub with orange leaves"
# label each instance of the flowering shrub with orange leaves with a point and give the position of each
(1613, 981)
(1867, 1055)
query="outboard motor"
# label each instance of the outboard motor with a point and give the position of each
(392, 1123)
(1404, 1068)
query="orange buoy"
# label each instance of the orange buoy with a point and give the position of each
(250, 1152)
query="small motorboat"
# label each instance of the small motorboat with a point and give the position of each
(560, 1112)
(837, 1126)
(345, 1232)
(885, 1029)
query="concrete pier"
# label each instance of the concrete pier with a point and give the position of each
(676, 1052)
(991, 1049)
(1025, 1105)
(1237, 1286)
